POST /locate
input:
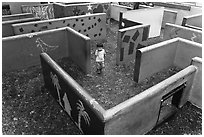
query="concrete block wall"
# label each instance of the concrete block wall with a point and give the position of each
(93, 25)
(16, 16)
(152, 59)
(27, 48)
(129, 41)
(193, 21)
(63, 10)
(43, 11)
(154, 17)
(173, 31)
(7, 29)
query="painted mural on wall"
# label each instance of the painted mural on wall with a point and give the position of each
(93, 27)
(130, 42)
(43, 11)
(63, 100)
(43, 46)
(90, 8)
(82, 114)
(173, 32)
(71, 97)
(6, 9)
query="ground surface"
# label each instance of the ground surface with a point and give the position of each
(28, 108)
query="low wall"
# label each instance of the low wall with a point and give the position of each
(43, 11)
(116, 9)
(153, 16)
(86, 113)
(169, 17)
(196, 90)
(62, 10)
(186, 50)
(182, 10)
(93, 25)
(173, 31)
(79, 49)
(16, 16)
(15, 7)
(193, 20)
(173, 5)
(7, 29)
(139, 114)
(26, 48)
(152, 59)
(129, 41)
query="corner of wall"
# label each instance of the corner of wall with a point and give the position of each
(195, 96)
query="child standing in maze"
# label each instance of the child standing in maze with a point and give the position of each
(100, 54)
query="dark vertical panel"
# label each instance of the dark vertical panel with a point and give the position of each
(135, 36)
(145, 33)
(137, 66)
(121, 54)
(131, 48)
(120, 20)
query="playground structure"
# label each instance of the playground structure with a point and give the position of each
(137, 115)
(123, 117)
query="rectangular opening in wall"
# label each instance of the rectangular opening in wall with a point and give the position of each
(170, 103)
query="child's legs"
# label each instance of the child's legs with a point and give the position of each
(103, 64)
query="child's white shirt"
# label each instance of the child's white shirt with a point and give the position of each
(100, 54)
